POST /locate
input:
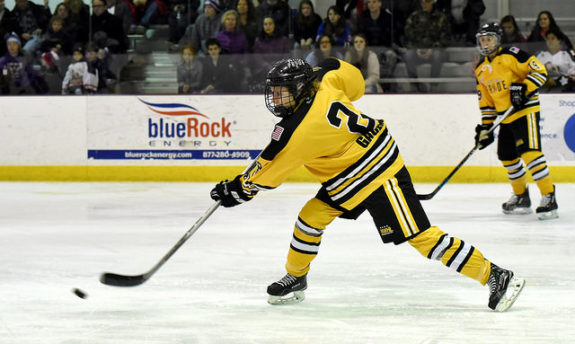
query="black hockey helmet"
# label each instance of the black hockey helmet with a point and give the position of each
(489, 29)
(295, 74)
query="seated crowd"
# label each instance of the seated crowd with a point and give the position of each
(227, 46)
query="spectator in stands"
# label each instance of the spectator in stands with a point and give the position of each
(8, 24)
(270, 40)
(126, 11)
(280, 11)
(544, 23)
(366, 61)
(80, 78)
(351, 10)
(426, 37)
(376, 24)
(55, 36)
(559, 62)
(91, 58)
(401, 11)
(247, 22)
(463, 18)
(51, 71)
(190, 72)
(335, 26)
(69, 27)
(62, 11)
(98, 59)
(149, 12)
(270, 46)
(220, 73)
(231, 39)
(305, 27)
(512, 35)
(80, 16)
(206, 26)
(33, 21)
(115, 62)
(182, 14)
(17, 75)
(324, 49)
(104, 22)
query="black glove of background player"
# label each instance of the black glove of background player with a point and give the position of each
(232, 193)
(517, 93)
(483, 137)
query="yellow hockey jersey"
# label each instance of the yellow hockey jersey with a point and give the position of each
(350, 153)
(510, 65)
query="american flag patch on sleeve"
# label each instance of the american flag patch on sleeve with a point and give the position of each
(277, 133)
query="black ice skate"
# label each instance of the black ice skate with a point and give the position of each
(518, 204)
(287, 290)
(548, 208)
(504, 288)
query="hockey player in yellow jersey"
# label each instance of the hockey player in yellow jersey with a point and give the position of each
(511, 77)
(359, 166)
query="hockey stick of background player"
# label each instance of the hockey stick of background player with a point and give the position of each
(496, 123)
(117, 280)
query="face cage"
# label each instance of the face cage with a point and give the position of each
(278, 110)
(487, 51)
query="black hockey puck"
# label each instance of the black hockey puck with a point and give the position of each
(80, 293)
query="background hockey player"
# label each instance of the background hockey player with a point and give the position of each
(511, 77)
(360, 168)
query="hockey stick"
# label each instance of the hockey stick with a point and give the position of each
(496, 123)
(117, 280)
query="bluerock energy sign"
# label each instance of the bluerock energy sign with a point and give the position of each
(179, 128)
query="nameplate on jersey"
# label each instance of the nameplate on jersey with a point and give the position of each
(366, 139)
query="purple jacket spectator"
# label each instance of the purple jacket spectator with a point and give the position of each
(269, 47)
(231, 39)
(16, 73)
(233, 42)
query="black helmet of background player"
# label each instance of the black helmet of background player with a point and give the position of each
(288, 83)
(491, 30)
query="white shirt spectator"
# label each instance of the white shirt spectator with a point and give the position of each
(560, 63)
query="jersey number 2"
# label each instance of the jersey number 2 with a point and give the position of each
(356, 123)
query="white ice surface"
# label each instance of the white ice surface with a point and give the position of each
(57, 236)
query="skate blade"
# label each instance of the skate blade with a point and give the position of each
(518, 211)
(513, 290)
(548, 215)
(297, 297)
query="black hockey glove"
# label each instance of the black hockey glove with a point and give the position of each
(232, 193)
(483, 137)
(517, 93)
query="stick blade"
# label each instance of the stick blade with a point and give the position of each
(116, 280)
(425, 197)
